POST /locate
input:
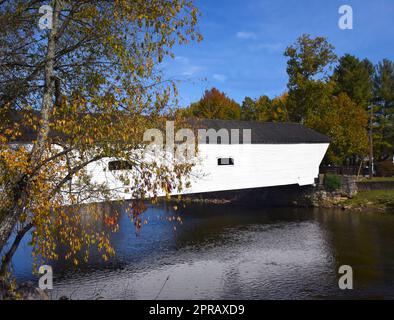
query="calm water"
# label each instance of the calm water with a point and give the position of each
(228, 252)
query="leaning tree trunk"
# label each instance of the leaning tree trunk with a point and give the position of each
(12, 214)
(7, 226)
(11, 251)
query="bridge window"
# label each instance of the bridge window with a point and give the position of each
(225, 161)
(119, 165)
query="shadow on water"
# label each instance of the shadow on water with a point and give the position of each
(233, 252)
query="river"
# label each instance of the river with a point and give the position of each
(231, 252)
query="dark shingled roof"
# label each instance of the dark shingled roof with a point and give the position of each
(261, 132)
(268, 132)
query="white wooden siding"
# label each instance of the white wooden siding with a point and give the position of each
(255, 165)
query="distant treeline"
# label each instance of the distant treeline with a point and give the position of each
(341, 97)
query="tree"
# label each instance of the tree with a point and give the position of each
(384, 110)
(256, 109)
(215, 105)
(354, 77)
(321, 101)
(248, 109)
(265, 109)
(346, 123)
(309, 61)
(83, 90)
(279, 107)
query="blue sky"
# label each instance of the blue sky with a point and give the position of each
(244, 41)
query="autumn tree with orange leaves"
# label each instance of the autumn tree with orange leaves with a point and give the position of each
(85, 89)
(214, 105)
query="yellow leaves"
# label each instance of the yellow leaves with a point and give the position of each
(15, 160)
(135, 86)
(89, 140)
(8, 131)
(140, 70)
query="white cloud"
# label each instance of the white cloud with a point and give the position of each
(245, 35)
(185, 67)
(270, 47)
(219, 77)
(190, 70)
(181, 59)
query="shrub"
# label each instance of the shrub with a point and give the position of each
(385, 169)
(332, 182)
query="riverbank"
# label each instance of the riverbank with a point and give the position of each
(368, 200)
(382, 200)
(24, 291)
(345, 194)
(349, 193)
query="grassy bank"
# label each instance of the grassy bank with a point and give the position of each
(373, 199)
(376, 179)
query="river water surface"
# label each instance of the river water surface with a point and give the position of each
(229, 252)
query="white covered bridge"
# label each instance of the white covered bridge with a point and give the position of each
(277, 154)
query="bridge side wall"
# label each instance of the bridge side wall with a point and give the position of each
(255, 166)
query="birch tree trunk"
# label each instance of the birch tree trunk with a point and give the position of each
(49, 87)
(20, 191)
